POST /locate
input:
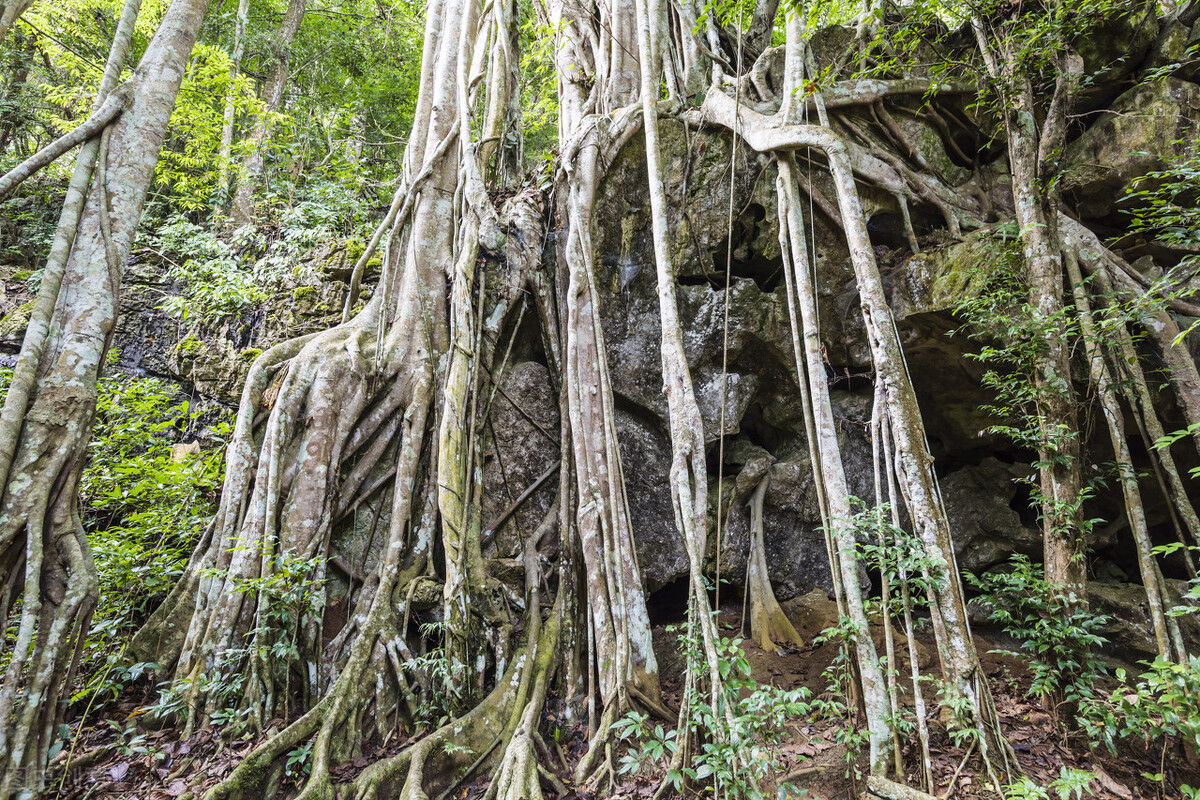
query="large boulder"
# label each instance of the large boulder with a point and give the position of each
(1130, 631)
(1138, 134)
(980, 503)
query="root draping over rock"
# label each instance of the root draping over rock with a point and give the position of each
(350, 594)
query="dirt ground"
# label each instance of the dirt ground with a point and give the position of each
(118, 754)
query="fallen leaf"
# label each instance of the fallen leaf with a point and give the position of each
(117, 772)
(1109, 784)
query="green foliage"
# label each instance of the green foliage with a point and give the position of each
(299, 762)
(1057, 636)
(896, 554)
(840, 678)
(209, 269)
(222, 275)
(187, 167)
(27, 224)
(539, 92)
(1163, 703)
(1162, 204)
(290, 598)
(1171, 438)
(1071, 784)
(731, 755)
(651, 747)
(1014, 345)
(439, 674)
(1015, 340)
(145, 508)
(131, 743)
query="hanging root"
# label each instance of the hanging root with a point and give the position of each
(769, 626)
(322, 415)
(504, 722)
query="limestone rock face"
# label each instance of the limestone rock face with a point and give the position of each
(522, 446)
(1142, 128)
(1130, 632)
(762, 415)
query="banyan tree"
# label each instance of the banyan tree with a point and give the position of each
(356, 463)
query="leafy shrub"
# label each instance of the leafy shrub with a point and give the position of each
(733, 757)
(145, 506)
(1163, 704)
(216, 282)
(289, 596)
(1057, 636)
(1071, 784)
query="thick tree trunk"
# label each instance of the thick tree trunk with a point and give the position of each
(272, 98)
(829, 465)
(400, 383)
(688, 473)
(621, 650)
(1061, 452)
(39, 523)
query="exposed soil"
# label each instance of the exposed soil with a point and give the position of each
(119, 754)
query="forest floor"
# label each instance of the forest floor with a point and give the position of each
(118, 753)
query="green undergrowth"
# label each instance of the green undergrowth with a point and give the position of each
(729, 754)
(146, 497)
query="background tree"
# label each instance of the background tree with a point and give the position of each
(49, 406)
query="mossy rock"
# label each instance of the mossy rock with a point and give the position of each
(941, 280)
(188, 347)
(249, 354)
(1139, 135)
(1115, 48)
(13, 325)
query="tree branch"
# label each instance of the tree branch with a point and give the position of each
(90, 127)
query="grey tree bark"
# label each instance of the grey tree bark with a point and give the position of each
(1060, 451)
(44, 553)
(230, 113)
(10, 12)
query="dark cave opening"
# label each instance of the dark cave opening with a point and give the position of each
(668, 605)
(846, 378)
(1022, 503)
(742, 259)
(886, 230)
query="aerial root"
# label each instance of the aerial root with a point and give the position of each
(519, 772)
(769, 626)
(591, 768)
(505, 721)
